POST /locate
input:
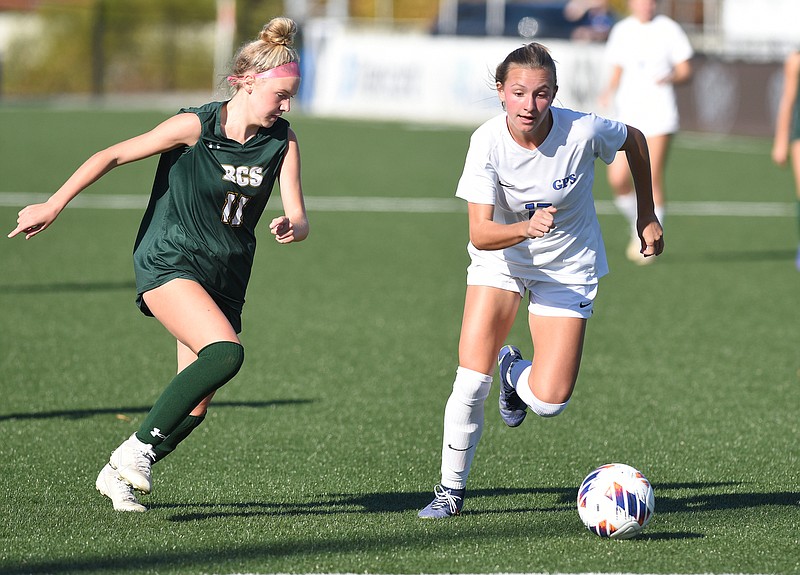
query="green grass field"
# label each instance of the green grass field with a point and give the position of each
(318, 455)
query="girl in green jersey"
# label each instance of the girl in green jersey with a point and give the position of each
(195, 247)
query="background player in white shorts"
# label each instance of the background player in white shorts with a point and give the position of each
(528, 181)
(649, 54)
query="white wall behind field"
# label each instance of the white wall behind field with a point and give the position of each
(417, 77)
(369, 73)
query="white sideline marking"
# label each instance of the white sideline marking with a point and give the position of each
(414, 205)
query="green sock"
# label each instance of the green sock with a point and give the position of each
(215, 365)
(181, 432)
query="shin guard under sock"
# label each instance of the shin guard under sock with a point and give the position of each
(215, 365)
(463, 425)
(181, 432)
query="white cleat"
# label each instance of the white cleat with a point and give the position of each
(120, 493)
(132, 461)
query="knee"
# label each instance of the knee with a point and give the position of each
(471, 387)
(619, 178)
(226, 357)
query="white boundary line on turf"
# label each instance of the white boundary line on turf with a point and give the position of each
(415, 205)
(722, 143)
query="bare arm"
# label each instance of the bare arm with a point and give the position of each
(611, 88)
(293, 226)
(183, 129)
(681, 73)
(647, 225)
(486, 234)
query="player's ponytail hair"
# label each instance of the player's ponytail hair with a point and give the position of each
(274, 47)
(534, 56)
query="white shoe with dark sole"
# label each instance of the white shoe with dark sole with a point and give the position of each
(110, 484)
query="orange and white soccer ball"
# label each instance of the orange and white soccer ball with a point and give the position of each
(616, 501)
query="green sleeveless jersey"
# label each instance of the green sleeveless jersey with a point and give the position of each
(205, 204)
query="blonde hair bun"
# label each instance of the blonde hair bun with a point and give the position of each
(272, 48)
(279, 31)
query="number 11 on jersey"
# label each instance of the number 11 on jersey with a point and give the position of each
(233, 211)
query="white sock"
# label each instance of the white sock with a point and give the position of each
(626, 204)
(661, 213)
(539, 407)
(463, 425)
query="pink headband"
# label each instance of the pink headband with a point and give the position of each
(290, 70)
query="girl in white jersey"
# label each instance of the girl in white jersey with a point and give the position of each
(649, 54)
(533, 228)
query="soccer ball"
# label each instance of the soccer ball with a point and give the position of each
(616, 501)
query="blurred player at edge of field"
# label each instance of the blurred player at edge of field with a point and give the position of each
(649, 54)
(786, 146)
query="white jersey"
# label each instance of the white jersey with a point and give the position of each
(647, 52)
(560, 172)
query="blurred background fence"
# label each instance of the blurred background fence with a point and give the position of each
(421, 60)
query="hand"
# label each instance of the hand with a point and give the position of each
(34, 219)
(283, 230)
(652, 237)
(664, 80)
(780, 154)
(542, 222)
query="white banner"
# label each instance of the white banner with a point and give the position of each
(438, 79)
